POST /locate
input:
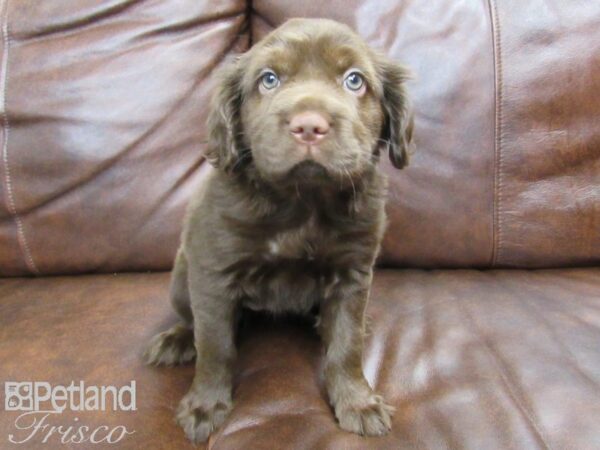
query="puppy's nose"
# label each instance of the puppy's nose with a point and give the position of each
(309, 127)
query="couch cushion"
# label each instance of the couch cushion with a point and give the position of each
(506, 94)
(440, 206)
(102, 127)
(494, 360)
(93, 329)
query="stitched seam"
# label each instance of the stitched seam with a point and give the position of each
(498, 131)
(10, 199)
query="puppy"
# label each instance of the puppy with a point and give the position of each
(293, 215)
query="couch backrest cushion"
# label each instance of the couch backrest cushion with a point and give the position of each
(507, 99)
(104, 106)
(103, 121)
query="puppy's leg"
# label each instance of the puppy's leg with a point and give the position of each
(208, 402)
(357, 407)
(176, 345)
(179, 290)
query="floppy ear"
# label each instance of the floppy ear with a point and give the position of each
(398, 118)
(224, 143)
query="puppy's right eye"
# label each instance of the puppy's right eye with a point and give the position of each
(269, 80)
(354, 82)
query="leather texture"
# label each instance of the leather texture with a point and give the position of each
(103, 108)
(470, 359)
(104, 105)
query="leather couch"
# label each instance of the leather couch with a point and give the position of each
(485, 311)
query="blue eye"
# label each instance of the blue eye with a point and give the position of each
(354, 81)
(269, 80)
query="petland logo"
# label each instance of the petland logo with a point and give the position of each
(39, 401)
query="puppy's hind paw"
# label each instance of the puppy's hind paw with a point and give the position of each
(172, 347)
(372, 419)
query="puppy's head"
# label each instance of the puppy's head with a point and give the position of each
(310, 102)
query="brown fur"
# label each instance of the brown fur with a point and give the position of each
(274, 229)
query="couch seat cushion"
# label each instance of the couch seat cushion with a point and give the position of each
(470, 359)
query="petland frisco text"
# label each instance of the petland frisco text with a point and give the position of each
(39, 402)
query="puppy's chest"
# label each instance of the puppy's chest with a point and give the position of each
(290, 269)
(307, 242)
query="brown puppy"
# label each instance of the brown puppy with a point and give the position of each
(293, 215)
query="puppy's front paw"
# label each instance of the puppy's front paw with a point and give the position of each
(171, 347)
(365, 414)
(199, 417)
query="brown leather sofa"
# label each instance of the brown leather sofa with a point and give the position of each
(485, 313)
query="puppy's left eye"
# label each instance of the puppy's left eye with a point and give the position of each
(354, 81)
(269, 80)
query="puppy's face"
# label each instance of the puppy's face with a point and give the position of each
(309, 103)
